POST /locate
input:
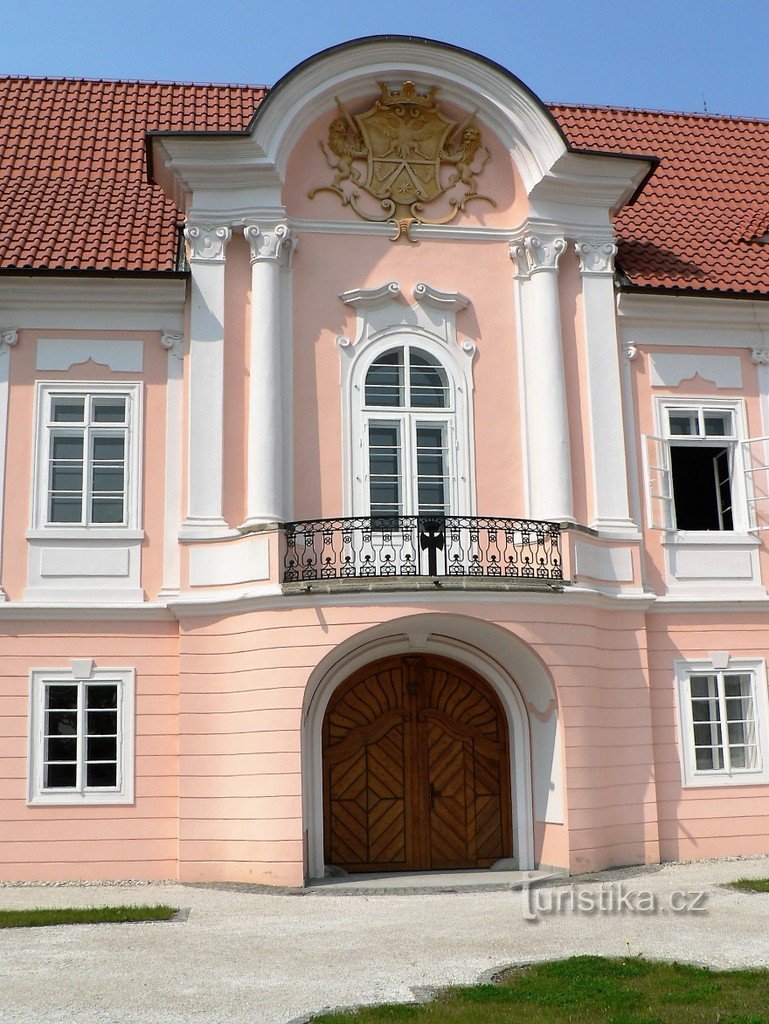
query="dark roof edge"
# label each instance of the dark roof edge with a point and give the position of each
(164, 275)
(701, 293)
(320, 55)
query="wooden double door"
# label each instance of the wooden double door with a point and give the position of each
(415, 769)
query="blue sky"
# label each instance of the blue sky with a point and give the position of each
(674, 55)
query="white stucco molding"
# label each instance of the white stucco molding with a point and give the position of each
(596, 256)
(669, 369)
(196, 170)
(271, 250)
(9, 338)
(42, 303)
(274, 242)
(545, 428)
(384, 320)
(207, 250)
(207, 243)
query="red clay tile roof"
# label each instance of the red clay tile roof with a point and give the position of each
(73, 184)
(696, 221)
(74, 193)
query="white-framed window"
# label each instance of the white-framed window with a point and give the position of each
(723, 723)
(696, 476)
(408, 416)
(81, 736)
(87, 458)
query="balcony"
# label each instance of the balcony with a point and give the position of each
(455, 552)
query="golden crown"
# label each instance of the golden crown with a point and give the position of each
(407, 94)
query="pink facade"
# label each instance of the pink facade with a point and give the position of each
(560, 487)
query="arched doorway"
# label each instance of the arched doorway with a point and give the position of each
(416, 769)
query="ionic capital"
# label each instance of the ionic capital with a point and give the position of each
(537, 252)
(596, 256)
(173, 341)
(276, 242)
(207, 243)
(760, 356)
(9, 336)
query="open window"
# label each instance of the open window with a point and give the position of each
(699, 476)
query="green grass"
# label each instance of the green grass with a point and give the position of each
(39, 918)
(590, 990)
(750, 884)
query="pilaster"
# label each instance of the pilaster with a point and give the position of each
(611, 508)
(272, 247)
(173, 342)
(9, 337)
(206, 250)
(543, 383)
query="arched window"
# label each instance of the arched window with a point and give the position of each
(408, 410)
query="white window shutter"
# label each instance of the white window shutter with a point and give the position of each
(659, 482)
(755, 463)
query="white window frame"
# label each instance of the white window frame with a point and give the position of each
(456, 417)
(691, 776)
(125, 678)
(660, 475)
(45, 393)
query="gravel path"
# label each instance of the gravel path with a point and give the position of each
(249, 957)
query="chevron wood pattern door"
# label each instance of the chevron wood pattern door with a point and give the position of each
(416, 769)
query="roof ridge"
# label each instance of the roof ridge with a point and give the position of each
(131, 81)
(658, 112)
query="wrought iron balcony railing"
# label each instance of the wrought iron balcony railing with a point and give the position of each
(385, 547)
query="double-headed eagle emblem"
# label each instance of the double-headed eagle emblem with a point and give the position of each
(413, 154)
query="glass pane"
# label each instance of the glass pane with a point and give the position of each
(738, 685)
(703, 686)
(101, 775)
(705, 734)
(709, 759)
(102, 723)
(109, 410)
(384, 462)
(65, 510)
(61, 748)
(682, 423)
(62, 696)
(61, 723)
(705, 710)
(68, 448)
(743, 757)
(384, 469)
(737, 733)
(67, 476)
(430, 470)
(101, 748)
(107, 510)
(60, 776)
(718, 424)
(384, 380)
(101, 696)
(428, 384)
(107, 478)
(67, 410)
(108, 449)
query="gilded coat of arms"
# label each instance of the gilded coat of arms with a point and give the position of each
(413, 154)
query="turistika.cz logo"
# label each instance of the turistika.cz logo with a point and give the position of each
(612, 899)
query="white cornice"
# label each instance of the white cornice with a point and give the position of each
(45, 303)
(689, 321)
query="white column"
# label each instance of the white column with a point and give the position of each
(271, 249)
(548, 458)
(207, 245)
(173, 341)
(611, 508)
(9, 336)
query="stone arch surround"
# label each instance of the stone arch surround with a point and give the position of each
(519, 679)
